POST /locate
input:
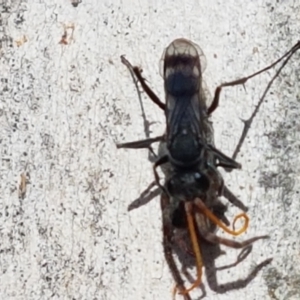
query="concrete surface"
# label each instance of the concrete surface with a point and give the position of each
(65, 101)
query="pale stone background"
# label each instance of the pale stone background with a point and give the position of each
(63, 108)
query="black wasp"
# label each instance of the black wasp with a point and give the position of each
(189, 159)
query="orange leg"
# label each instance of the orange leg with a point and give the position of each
(196, 248)
(202, 207)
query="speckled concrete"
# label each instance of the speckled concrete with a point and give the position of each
(66, 99)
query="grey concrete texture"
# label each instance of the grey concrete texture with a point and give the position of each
(66, 100)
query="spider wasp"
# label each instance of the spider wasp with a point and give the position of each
(188, 156)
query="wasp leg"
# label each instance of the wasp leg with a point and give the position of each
(167, 245)
(224, 160)
(138, 73)
(196, 248)
(189, 277)
(243, 80)
(140, 144)
(214, 239)
(147, 124)
(247, 123)
(203, 210)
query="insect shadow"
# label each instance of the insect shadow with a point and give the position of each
(171, 204)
